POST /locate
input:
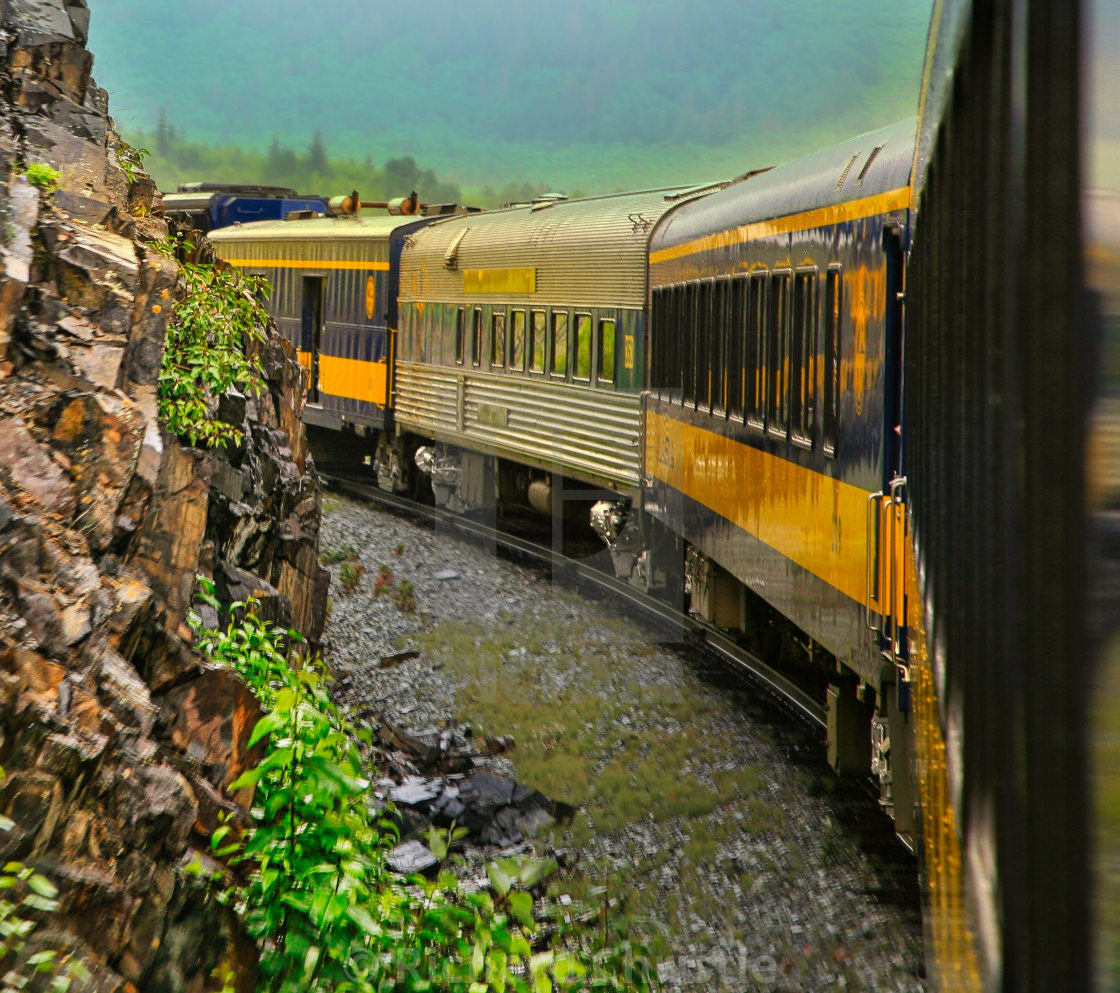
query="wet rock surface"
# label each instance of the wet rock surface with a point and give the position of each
(705, 814)
(116, 741)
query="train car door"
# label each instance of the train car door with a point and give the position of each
(311, 330)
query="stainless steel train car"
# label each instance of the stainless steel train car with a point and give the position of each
(521, 348)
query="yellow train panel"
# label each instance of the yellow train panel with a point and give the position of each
(816, 521)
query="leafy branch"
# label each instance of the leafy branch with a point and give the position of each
(218, 315)
(322, 902)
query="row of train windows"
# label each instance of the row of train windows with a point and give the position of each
(757, 347)
(545, 346)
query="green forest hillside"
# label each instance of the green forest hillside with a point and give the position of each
(561, 92)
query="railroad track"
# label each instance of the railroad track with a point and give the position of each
(773, 682)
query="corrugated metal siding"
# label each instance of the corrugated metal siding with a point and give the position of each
(583, 433)
(585, 252)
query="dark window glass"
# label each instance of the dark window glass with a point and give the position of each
(498, 339)
(517, 341)
(460, 337)
(582, 368)
(717, 343)
(756, 348)
(606, 350)
(688, 343)
(803, 355)
(777, 349)
(831, 359)
(559, 365)
(537, 349)
(476, 338)
(736, 346)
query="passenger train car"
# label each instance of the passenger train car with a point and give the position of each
(773, 425)
(522, 346)
(843, 402)
(329, 297)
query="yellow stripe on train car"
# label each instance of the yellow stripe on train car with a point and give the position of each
(852, 210)
(352, 379)
(816, 521)
(345, 264)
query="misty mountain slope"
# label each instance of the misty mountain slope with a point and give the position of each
(470, 87)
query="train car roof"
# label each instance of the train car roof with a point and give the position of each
(318, 228)
(876, 164)
(588, 251)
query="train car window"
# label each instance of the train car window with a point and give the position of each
(702, 344)
(559, 366)
(777, 354)
(460, 335)
(687, 339)
(736, 347)
(498, 339)
(803, 354)
(605, 371)
(582, 368)
(830, 360)
(721, 302)
(536, 351)
(756, 349)
(476, 338)
(517, 341)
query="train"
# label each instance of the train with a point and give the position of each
(842, 408)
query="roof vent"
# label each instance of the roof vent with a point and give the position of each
(451, 256)
(867, 165)
(844, 175)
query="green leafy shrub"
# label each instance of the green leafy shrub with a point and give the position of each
(131, 160)
(319, 897)
(218, 316)
(43, 177)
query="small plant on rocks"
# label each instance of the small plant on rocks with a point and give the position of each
(43, 177)
(384, 582)
(405, 597)
(398, 551)
(336, 555)
(26, 892)
(350, 573)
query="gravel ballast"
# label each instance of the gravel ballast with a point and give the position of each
(691, 813)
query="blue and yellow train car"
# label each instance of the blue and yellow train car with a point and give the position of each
(772, 421)
(329, 279)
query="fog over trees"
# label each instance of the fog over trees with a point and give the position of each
(572, 92)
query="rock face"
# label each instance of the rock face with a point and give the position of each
(117, 743)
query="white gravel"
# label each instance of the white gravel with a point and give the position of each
(794, 911)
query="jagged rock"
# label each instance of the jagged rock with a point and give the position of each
(29, 465)
(118, 742)
(16, 255)
(209, 721)
(100, 435)
(411, 857)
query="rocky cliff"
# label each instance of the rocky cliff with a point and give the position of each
(117, 743)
